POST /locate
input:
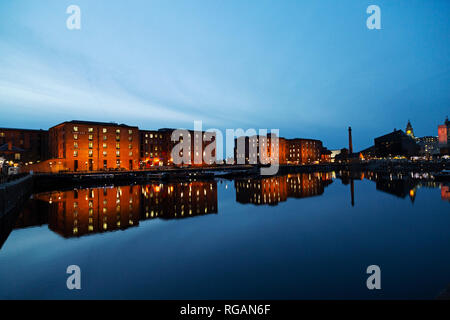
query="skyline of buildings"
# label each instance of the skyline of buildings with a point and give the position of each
(95, 146)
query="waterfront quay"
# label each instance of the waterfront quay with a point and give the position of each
(48, 181)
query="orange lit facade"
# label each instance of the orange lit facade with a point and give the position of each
(196, 149)
(264, 150)
(260, 150)
(304, 151)
(154, 149)
(444, 137)
(93, 146)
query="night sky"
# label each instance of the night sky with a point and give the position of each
(308, 68)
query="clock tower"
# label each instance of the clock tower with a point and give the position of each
(410, 130)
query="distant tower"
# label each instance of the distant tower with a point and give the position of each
(410, 130)
(350, 141)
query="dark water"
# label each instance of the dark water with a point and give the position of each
(290, 237)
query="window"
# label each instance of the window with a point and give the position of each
(2, 134)
(105, 146)
(75, 145)
(91, 153)
(118, 145)
(130, 138)
(117, 138)
(151, 136)
(91, 145)
(91, 130)
(105, 153)
(118, 131)
(91, 137)
(130, 146)
(75, 153)
(131, 153)
(105, 130)
(118, 153)
(130, 131)
(105, 138)
(75, 129)
(17, 156)
(75, 137)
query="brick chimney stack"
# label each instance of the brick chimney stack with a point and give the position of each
(350, 140)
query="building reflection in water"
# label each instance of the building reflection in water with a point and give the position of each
(402, 185)
(445, 192)
(89, 211)
(273, 190)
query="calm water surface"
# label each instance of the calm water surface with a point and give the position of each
(300, 236)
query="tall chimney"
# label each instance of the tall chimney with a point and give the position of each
(350, 141)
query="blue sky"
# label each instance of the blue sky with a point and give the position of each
(308, 68)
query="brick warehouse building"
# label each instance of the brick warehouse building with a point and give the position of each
(92, 146)
(83, 146)
(304, 151)
(291, 151)
(22, 146)
(156, 147)
(258, 150)
(76, 146)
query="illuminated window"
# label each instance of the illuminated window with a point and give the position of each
(130, 138)
(91, 130)
(91, 145)
(130, 146)
(118, 153)
(17, 156)
(75, 137)
(105, 145)
(105, 138)
(131, 153)
(2, 134)
(105, 130)
(118, 131)
(91, 153)
(75, 145)
(75, 153)
(130, 131)
(104, 153)
(91, 137)
(117, 145)
(151, 136)
(75, 129)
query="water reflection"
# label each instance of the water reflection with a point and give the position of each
(271, 191)
(89, 211)
(83, 212)
(405, 185)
